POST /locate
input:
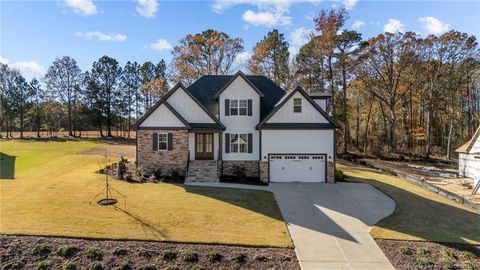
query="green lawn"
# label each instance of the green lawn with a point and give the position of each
(420, 214)
(53, 188)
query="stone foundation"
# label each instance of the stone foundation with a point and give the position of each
(151, 160)
(264, 171)
(330, 172)
(249, 167)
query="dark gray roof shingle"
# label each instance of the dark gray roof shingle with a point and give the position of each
(205, 88)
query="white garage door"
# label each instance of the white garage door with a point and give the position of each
(297, 168)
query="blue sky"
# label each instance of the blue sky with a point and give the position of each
(34, 33)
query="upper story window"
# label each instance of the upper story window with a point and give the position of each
(238, 107)
(297, 105)
(162, 141)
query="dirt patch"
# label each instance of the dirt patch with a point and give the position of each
(112, 150)
(428, 255)
(30, 252)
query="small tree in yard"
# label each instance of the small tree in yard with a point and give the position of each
(122, 167)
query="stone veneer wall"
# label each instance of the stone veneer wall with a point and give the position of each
(264, 171)
(151, 160)
(330, 172)
(251, 167)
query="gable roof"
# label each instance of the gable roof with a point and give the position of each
(238, 74)
(466, 147)
(284, 100)
(162, 101)
(180, 86)
(206, 88)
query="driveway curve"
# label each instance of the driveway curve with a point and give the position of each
(329, 223)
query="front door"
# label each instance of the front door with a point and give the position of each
(203, 146)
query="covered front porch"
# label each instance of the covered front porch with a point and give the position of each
(204, 142)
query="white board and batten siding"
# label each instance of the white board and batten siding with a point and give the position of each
(469, 165)
(308, 115)
(322, 103)
(240, 124)
(162, 117)
(188, 108)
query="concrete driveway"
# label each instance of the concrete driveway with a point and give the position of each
(329, 224)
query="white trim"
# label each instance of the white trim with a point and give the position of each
(166, 142)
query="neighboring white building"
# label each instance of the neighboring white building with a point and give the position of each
(469, 157)
(227, 125)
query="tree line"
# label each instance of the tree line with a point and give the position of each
(395, 92)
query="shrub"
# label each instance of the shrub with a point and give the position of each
(139, 171)
(95, 254)
(97, 266)
(425, 252)
(41, 249)
(469, 255)
(158, 173)
(339, 176)
(169, 255)
(120, 252)
(70, 266)
(239, 257)
(449, 254)
(407, 250)
(470, 266)
(261, 258)
(448, 264)
(424, 262)
(125, 267)
(174, 173)
(67, 251)
(214, 256)
(191, 257)
(148, 267)
(238, 171)
(197, 267)
(43, 265)
(14, 265)
(122, 167)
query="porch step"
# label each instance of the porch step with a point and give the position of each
(202, 171)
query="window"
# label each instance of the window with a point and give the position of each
(162, 141)
(238, 143)
(297, 105)
(238, 107)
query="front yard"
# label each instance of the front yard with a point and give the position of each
(55, 183)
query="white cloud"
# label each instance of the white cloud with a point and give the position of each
(147, 8)
(349, 4)
(358, 24)
(85, 7)
(266, 18)
(161, 44)
(393, 26)
(300, 36)
(433, 25)
(101, 36)
(29, 68)
(220, 5)
(3, 60)
(243, 57)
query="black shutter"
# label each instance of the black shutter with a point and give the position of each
(227, 107)
(155, 141)
(249, 107)
(170, 141)
(227, 142)
(250, 143)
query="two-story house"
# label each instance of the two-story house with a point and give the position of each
(221, 125)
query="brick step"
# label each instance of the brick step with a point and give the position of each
(202, 171)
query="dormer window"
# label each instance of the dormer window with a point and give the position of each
(238, 107)
(297, 105)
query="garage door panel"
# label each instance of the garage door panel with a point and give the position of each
(297, 168)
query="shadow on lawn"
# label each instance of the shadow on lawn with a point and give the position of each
(148, 229)
(259, 201)
(423, 217)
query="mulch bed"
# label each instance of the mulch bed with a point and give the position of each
(32, 252)
(427, 255)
